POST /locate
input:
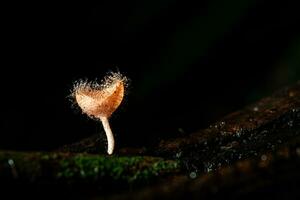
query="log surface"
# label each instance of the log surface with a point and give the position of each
(249, 152)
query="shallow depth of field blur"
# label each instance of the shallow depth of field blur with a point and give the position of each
(190, 63)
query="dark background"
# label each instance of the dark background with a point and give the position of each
(189, 63)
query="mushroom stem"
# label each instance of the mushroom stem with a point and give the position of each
(109, 135)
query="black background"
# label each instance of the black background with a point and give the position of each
(189, 63)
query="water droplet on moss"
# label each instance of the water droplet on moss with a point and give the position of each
(264, 157)
(193, 175)
(11, 162)
(291, 123)
(82, 173)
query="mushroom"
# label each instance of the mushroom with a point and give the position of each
(99, 101)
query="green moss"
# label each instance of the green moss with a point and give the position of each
(128, 169)
(85, 168)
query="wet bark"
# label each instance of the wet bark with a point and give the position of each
(258, 128)
(271, 175)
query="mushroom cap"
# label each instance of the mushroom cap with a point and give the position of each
(100, 102)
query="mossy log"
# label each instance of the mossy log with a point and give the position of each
(272, 175)
(252, 150)
(261, 127)
(82, 169)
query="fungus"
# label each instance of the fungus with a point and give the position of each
(99, 101)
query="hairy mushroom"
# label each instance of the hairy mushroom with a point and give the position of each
(101, 100)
